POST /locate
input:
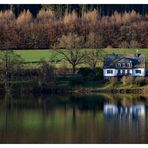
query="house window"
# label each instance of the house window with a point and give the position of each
(138, 71)
(119, 65)
(110, 71)
(129, 65)
(123, 65)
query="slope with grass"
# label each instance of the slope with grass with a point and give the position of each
(37, 55)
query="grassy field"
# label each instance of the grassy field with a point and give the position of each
(126, 51)
(37, 55)
(33, 57)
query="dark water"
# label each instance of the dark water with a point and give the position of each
(74, 119)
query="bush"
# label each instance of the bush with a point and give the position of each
(113, 81)
(127, 80)
(46, 72)
(134, 44)
(88, 74)
(140, 81)
(76, 80)
(124, 44)
(109, 47)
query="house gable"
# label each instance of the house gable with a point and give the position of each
(119, 65)
(112, 60)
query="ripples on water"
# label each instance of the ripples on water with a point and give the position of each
(73, 119)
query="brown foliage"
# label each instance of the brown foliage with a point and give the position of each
(128, 29)
(70, 18)
(90, 17)
(24, 18)
(6, 17)
(45, 16)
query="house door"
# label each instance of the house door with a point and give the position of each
(123, 71)
(128, 71)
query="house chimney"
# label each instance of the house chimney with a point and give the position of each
(137, 54)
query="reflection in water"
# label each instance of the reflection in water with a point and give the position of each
(72, 119)
(137, 110)
(110, 109)
(128, 120)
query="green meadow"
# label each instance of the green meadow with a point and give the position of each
(33, 57)
(37, 55)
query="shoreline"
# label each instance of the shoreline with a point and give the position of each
(113, 91)
(46, 89)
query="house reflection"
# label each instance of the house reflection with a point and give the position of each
(138, 110)
(125, 120)
(110, 109)
(134, 111)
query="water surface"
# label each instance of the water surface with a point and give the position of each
(73, 119)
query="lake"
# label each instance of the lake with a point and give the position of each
(94, 118)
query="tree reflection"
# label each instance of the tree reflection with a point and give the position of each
(74, 103)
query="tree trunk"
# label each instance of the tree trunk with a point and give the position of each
(6, 81)
(74, 69)
(6, 71)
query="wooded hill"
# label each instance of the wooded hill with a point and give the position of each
(97, 26)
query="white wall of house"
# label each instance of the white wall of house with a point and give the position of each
(138, 74)
(126, 71)
(132, 72)
(110, 74)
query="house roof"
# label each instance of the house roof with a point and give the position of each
(137, 60)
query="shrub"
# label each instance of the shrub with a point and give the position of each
(113, 81)
(109, 47)
(99, 74)
(134, 44)
(140, 81)
(124, 44)
(88, 74)
(46, 72)
(127, 80)
(75, 80)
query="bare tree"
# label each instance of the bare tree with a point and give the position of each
(93, 57)
(10, 63)
(73, 54)
(4, 56)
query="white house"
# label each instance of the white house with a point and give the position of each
(118, 65)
